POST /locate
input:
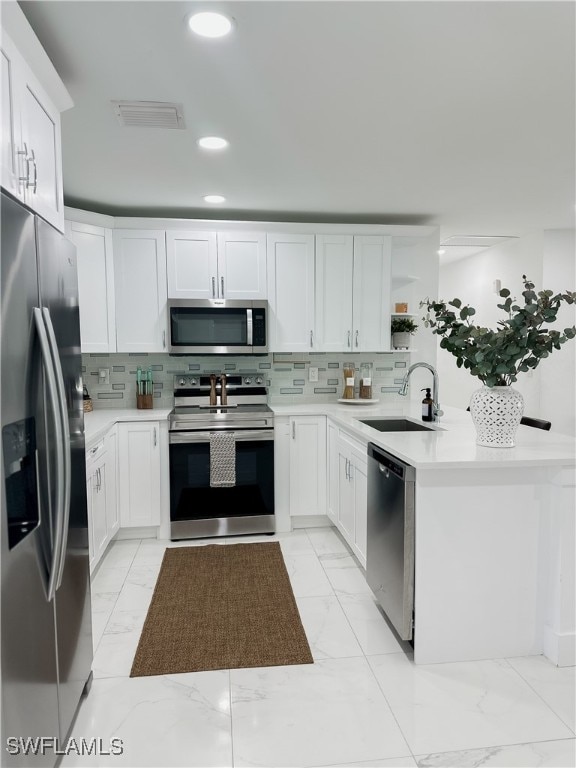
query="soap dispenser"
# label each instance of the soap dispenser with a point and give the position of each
(427, 406)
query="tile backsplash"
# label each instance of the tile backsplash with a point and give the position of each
(286, 375)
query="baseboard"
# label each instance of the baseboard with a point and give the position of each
(310, 521)
(560, 647)
(147, 532)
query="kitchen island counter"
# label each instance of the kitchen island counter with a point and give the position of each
(451, 442)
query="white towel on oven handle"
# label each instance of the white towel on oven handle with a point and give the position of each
(222, 460)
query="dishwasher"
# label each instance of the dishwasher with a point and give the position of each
(390, 552)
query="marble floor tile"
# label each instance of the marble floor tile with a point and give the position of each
(109, 579)
(392, 762)
(543, 754)
(307, 576)
(103, 602)
(337, 560)
(327, 629)
(126, 621)
(306, 715)
(370, 626)
(556, 685)
(291, 543)
(172, 720)
(463, 705)
(326, 541)
(138, 588)
(99, 622)
(120, 554)
(346, 577)
(115, 654)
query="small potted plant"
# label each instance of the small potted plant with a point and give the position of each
(402, 328)
(496, 357)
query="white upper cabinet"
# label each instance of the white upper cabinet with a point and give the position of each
(192, 265)
(353, 293)
(140, 288)
(31, 142)
(371, 293)
(334, 270)
(291, 293)
(210, 265)
(95, 286)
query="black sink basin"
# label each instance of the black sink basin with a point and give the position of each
(396, 425)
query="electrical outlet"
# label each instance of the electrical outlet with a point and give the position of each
(312, 374)
(104, 376)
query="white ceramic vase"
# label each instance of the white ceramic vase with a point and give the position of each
(496, 413)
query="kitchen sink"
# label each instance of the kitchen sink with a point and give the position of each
(396, 425)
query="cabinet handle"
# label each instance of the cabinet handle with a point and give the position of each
(155, 441)
(293, 430)
(222, 287)
(346, 470)
(164, 339)
(311, 340)
(348, 339)
(213, 287)
(356, 338)
(24, 153)
(34, 184)
(98, 480)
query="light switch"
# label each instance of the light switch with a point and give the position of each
(312, 374)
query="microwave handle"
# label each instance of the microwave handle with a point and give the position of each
(249, 328)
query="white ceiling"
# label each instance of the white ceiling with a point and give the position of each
(458, 114)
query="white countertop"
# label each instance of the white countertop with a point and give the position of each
(99, 421)
(451, 444)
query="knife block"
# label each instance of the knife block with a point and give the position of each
(144, 401)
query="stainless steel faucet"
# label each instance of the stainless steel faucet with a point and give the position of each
(436, 412)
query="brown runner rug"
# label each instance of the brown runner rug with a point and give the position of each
(221, 606)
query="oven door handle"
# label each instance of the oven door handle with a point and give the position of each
(242, 435)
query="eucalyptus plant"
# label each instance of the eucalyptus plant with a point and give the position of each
(518, 344)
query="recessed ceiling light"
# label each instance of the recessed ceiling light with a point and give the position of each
(441, 252)
(212, 142)
(214, 199)
(210, 24)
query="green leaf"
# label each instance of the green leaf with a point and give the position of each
(504, 293)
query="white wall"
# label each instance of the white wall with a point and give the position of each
(417, 257)
(558, 372)
(547, 259)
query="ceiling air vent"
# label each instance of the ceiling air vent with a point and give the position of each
(460, 246)
(148, 114)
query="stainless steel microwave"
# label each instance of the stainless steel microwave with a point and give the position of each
(217, 327)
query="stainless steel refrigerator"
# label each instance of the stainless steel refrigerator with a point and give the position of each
(45, 582)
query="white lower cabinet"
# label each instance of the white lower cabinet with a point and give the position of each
(307, 465)
(139, 480)
(348, 488)
(300, 467)
(101, 485)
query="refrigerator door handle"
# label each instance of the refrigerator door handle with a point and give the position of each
(59, 439)
(63, 516)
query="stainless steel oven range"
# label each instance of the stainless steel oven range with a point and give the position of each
(202, 504)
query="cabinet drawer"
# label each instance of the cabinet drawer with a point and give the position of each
(95, 453)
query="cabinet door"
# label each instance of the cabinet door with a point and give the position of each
(11, 129)
(97, 510)
(242, 265)
(95, 286)
(308, 465)
(333, 472)
(140, 287)
(139, 474)
(345, 495)
(112, 507)
(90, 510)
(334, 260)
(291, 292)
(371, 303)
(360, 483)
(41, 137)
(191, 260)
